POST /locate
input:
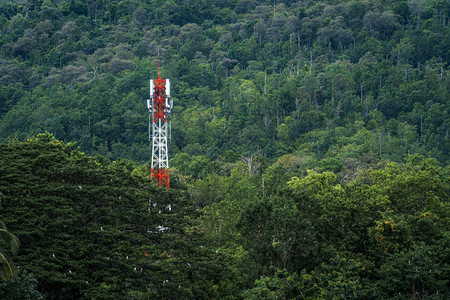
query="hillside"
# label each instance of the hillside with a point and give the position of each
(322, 77)
(297, 131)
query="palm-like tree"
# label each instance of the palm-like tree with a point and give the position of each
(7, 267)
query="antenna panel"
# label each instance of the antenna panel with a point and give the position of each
(168, 88)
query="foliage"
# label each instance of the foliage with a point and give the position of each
(23, 286)
(94, 229)
(309, 151)
(7, 240)
(246, 75)
(375, 237)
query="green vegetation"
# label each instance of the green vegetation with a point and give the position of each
(95, 229)
(309, 154)
(12, 243)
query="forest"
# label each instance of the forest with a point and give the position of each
(309, 151)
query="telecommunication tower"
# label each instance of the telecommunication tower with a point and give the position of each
(159, 129)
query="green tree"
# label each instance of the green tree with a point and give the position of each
(95, 229)
(22, 286)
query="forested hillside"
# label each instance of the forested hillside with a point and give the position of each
(309, 151)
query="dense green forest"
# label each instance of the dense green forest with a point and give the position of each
(309, 154)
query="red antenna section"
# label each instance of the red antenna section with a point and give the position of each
(159, 129)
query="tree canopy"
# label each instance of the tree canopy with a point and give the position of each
(308, 157)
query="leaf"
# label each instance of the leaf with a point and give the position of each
(7, 267)
(9, 238)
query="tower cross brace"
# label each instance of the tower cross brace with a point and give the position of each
(159, 129)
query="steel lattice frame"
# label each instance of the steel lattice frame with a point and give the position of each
(159, 128)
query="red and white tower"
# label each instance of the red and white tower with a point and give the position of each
(159, 129)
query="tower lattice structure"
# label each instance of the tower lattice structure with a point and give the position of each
(159, 129)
